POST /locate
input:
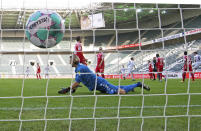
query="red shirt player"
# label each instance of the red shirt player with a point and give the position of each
(78, 51)
(38, 71)
(100, 63)
(151, 74)
(187, 66)
(159, 66)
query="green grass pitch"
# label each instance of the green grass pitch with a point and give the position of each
(106, 107)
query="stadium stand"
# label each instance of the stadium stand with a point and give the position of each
(124, 38)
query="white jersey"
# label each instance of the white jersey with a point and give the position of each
(130, 64)
(47, 69)
(197, 58)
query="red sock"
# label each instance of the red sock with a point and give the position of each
(193, 76)
(184, 76)
(160, 76)
(154, 76)
(150, 75)
(103, 75)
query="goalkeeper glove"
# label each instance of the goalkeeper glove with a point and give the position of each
(66, 90)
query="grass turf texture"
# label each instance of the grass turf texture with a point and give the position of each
(107, 106)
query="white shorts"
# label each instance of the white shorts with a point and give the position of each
(130, 70)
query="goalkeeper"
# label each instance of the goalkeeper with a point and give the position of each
(93, 82)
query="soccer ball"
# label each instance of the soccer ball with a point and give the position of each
(45, 29)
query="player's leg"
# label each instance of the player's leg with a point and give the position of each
(154, 76)
(103, 76)
(108, 88)
(46, 76)
(132, 75)
(184, 73)
(39, 76)
(123, 75)
(102, 72)
(129, 88)
(129, 72)
(158, 75)
(183, 76)
(150, 76)
(192, 75)
(97, 70)
(191, 72)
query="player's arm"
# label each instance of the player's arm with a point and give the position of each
(75, 85)
(73, 88)
(77, 82)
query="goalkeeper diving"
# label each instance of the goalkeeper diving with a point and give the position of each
(93, 82)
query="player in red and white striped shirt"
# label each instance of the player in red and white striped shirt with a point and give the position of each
(187, 66)
(78, 51)
(100, 63)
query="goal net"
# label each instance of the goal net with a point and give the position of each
(123, 30)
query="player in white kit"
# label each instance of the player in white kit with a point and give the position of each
(197, 61)
(27, 72)
(47, 69)
(123, 72)
(130, 67)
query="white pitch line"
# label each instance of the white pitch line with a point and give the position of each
(82, 108)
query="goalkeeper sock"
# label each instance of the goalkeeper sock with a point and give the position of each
(131, 87)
